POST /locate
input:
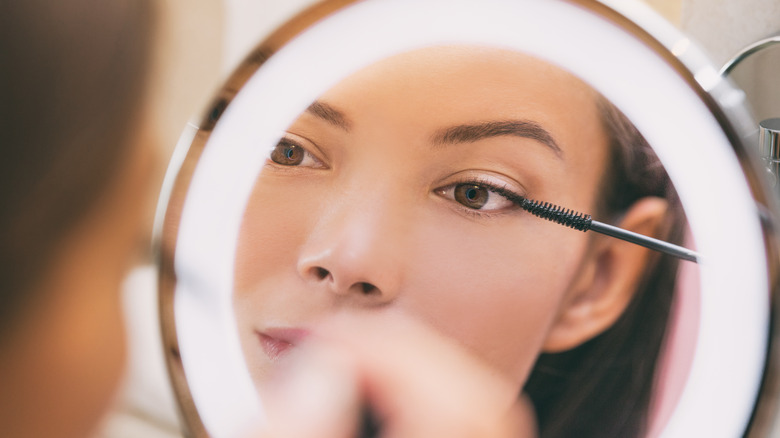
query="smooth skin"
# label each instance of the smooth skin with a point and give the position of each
(367, 205)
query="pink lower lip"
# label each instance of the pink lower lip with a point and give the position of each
(276, 342)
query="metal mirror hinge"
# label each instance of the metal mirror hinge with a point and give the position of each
(769, 148)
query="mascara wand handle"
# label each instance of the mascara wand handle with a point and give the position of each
(647, 242)
(369, 426)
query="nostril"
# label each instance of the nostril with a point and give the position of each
(321, 273)
(368, 288)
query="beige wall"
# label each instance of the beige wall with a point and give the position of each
(247, 21)
(669, 9)
(724, 27)
(187, 64)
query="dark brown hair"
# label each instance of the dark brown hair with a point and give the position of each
(603, 387)
(71, 77)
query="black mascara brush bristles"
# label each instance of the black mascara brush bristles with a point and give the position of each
(548, 211)
(560, 215)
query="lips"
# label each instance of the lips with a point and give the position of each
(278, 341)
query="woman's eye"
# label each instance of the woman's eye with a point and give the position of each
(477, 196)
(287, 153)
(472, 196)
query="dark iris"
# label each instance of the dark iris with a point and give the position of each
(472, 196)
(287, 154)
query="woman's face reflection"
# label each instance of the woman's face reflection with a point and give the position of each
(386, 195)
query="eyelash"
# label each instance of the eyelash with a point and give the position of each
(286, 140)
(501, 190)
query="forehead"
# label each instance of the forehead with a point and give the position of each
(466, 78)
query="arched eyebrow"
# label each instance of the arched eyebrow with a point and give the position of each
(474, 132)
(329, 114)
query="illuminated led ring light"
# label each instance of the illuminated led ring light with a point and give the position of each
(689, 134)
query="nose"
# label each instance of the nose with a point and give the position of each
(353, 252)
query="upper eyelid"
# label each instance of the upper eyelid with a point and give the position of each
(295, 137)
(479, 213)
(491, 185)
(318, 153)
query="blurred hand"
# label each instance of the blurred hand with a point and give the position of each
(417, 383)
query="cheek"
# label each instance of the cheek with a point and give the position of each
(272, 232)
(496, 290)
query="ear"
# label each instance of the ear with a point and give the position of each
(607, 279)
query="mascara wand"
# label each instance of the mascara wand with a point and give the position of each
(583, 222)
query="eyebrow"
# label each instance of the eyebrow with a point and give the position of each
(479, 131)
(329, 114)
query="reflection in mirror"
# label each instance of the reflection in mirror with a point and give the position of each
(393, 192)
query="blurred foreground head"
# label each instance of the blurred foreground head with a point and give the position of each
(72, 187)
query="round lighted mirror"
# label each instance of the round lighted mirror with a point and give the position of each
(377, 155)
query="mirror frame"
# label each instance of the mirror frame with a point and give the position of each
(712, 91)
